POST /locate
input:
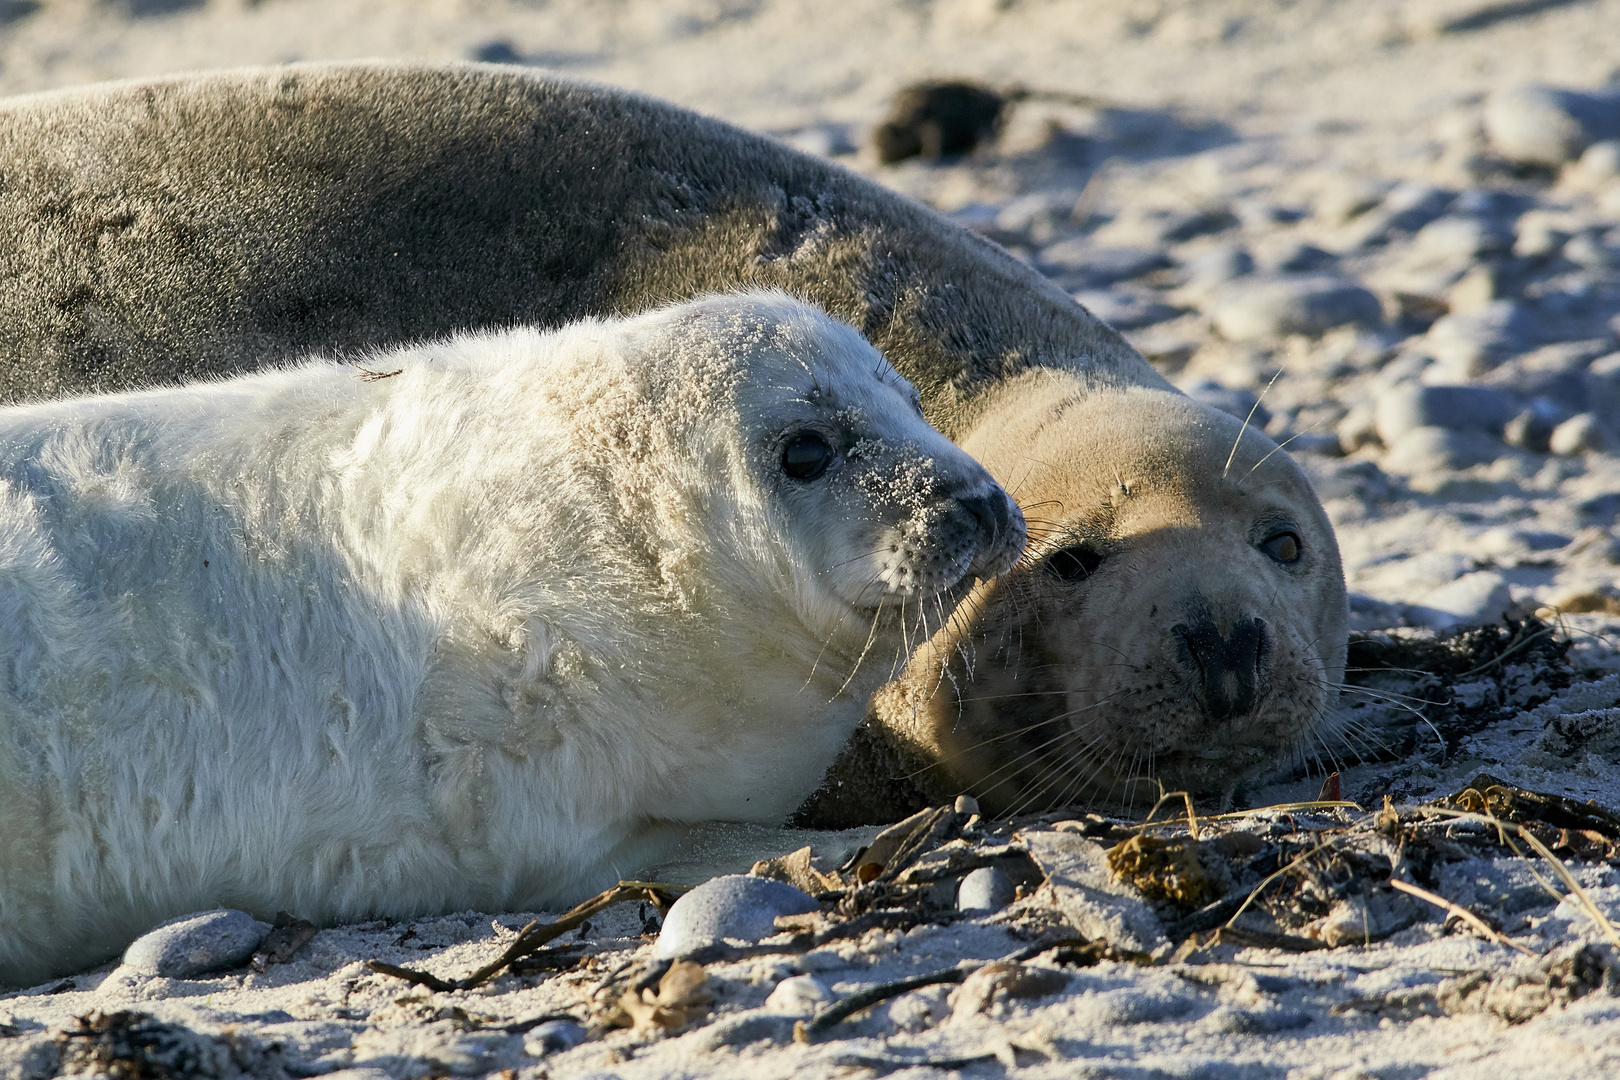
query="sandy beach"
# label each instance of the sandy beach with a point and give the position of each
(1388, 233)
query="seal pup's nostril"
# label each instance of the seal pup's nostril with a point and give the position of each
(991, 514)
(1228, 667)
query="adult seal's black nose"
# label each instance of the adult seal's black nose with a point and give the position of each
(1228, 667)
(991, 512)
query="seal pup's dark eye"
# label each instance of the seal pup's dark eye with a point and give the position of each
(806, 456)
(1074, 563)
(1284, 547)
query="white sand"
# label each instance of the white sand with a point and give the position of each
(1267, 113)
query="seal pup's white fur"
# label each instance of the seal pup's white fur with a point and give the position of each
(463, 636)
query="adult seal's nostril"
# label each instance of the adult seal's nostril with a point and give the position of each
(1228, 667)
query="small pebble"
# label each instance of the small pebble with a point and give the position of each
(1462, 238)
(498, 51)
(985, 891)
(1541, 125)
(802, 995)
(1593, 250)
(1305, 305)
(1540, 235)
(1427, 451)
(1347, 197)
(1123, 311)
(1580, 434)
(966, 804)
(1217, 266)
(1402, 408)
(553, 1037)
(195, 944)
(1409, 207)
(1530, 430)
(740, 907)
(1468, 345)
(1079, 260)
(1600, 162)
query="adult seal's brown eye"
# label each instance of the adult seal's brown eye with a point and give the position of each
(1074, 563)
(806, 456)
(1284, 547)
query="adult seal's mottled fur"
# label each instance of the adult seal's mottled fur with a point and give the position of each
(156, 230)
(468, 636)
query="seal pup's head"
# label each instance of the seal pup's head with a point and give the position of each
(778, 490)
(1180, 619)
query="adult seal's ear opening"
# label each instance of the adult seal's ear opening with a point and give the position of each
(485, 634)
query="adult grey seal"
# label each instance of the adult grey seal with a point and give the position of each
(477, 634)
(204, 224)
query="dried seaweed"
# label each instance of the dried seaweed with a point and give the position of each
(534, 936)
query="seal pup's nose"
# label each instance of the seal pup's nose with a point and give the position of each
(1001, 531)
(990, 511)
(1228, 667)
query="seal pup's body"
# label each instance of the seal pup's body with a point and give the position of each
(155, 230)
(470, 635)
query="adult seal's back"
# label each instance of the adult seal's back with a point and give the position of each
(152, 231)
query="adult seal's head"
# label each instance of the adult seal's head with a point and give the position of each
(1180, 620)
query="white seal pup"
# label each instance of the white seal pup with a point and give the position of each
(471, 633)
(206, 223)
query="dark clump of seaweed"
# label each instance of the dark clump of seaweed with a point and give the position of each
(129, 1045)
(1506, 667)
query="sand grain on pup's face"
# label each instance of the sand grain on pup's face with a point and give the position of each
(475, 635)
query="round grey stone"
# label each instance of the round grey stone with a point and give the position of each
(1123, 311)
(1080, 263)
(1408, 406)
(1593, 250)
(801, 995)
(1310, 305)
(553, 1037)
(1472, 343)
(1601, 161)
(1580, 434)
(985, 891)
(1424, 451)
(195, 944)
(739, 907)
(1459, 238)
(1217, 266)
(1547, 126)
